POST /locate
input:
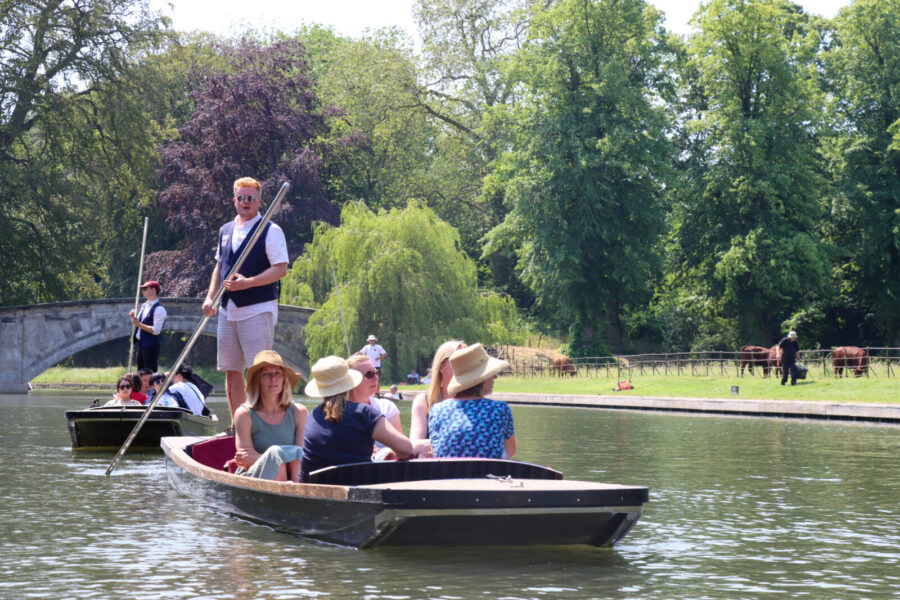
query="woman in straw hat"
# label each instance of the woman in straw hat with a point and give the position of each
(470, 424)
(269, 426)
(339, 431)
(437, 389)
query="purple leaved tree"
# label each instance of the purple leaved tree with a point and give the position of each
(258, 117)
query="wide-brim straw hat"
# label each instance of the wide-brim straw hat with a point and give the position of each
(331, 376)
(472, 365)
(270, 358)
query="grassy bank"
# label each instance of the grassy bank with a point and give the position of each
(865, 389)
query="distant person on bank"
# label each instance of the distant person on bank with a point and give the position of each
(340, 432)
(249, 307)
(269, 426)
(470, 424)
(789, 349)
(148, 323)
(374, 351)
(122, 396)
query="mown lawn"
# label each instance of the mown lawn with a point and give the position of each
(815, 388)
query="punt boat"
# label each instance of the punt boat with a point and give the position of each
(430, 502)
(103, 428)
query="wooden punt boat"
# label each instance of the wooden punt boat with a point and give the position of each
(437, 502)
(104, 428)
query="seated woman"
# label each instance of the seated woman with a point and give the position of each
(470, 424)
(339, 431)
(437, 389)
(122, 397)
(184, 392)
(365, 393)
(269, 426)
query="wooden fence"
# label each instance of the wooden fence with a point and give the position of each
(883, 362)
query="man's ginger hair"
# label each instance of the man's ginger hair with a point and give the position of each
(246, 182)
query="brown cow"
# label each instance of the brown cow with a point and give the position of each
(775, 360)
(755, 355)
(562, 364)
(849, 357)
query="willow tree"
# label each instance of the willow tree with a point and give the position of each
(745, 228)
(587, 157)
(401, 277)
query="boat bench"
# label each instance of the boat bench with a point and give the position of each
(214, 453)
(369, 473)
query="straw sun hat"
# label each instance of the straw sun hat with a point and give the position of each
(472, 365)
(270, 358)
(331, 376)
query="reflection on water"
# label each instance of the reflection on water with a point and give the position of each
(739, 508)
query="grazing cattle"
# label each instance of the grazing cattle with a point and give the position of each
(849, 357)
(775, 360)
(755, 355)
(562, 364)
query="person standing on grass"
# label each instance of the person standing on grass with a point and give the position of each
(249, 307)
(789, 349)
(374, 351)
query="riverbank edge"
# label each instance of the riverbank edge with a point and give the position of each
(795, 409)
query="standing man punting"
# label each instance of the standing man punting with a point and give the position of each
(249, 307)
(148, 322)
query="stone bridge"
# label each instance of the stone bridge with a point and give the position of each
(36, 337)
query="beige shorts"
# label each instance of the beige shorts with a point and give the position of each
(240, 341)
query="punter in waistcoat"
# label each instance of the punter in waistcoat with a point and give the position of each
(148, 323)
(249, 307)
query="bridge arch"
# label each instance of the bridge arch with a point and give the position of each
(34, 338)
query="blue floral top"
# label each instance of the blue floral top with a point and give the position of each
(472, 428)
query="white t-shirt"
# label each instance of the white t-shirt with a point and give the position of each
(374, 352)
(159, 317)
(190, 393)
(385, 407)
(276, 252)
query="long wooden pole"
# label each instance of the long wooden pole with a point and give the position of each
(137, 295)
(196, 334)
(341, 310)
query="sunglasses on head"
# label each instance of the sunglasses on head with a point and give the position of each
(125, 386)
(370, 374)
(246, 198)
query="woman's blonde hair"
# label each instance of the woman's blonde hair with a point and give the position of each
(357, 358)
(334, 407)
(254, 397)
(433, 395)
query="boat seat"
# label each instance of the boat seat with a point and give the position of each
(368, 473)
(214, 452)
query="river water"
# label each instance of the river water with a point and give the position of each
(739, 508)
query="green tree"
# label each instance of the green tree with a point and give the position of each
(588, 158)
(863, 67)
(63, 67)
(402, 277)
(745, 239)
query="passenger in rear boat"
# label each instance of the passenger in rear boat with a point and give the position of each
(122, 397)
(269, 426)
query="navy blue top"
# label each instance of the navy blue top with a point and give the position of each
(148, 340)
(256, 262)
(326, 444)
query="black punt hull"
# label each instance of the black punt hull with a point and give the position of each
(445, 512)
(108, 428)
